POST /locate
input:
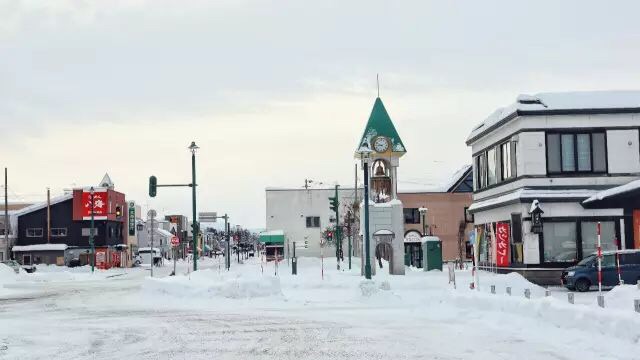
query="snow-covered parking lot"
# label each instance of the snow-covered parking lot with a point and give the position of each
(250, 313)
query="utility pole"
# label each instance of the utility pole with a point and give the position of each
(48, 216)
(92, 230)
(152, 214)
(349, 220)
(196, 231)
(6, 214)
(334, 204)
(227, 257)
(367, 264)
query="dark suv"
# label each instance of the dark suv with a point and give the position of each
(585, 274)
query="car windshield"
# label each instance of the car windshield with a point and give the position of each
(586, 261)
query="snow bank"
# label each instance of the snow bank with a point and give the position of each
(8, 278)
(7, 275)
(621, 297)
(618, 324)
(206, 284)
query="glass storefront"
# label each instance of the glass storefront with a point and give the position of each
(590, 236)
(560, 242)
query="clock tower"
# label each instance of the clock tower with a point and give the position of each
(386, 221)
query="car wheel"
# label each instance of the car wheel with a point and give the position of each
(583, 285)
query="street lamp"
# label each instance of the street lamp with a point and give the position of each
(91, 242)
(193, 148)
(365, 155)
(423, 212)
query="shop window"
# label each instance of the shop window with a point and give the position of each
(58, 232)
(590, 236)
(581, 152)
(87, 231)
(495, 165)
(491, 167)
(559, 241)
(411, 215)
(34, 232)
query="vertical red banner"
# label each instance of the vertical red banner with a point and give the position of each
(502, 244)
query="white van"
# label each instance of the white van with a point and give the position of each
(145, 255)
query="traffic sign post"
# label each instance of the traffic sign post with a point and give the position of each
(175, 242)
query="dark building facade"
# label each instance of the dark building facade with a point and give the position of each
(69, 224)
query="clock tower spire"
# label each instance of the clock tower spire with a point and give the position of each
(383, 146)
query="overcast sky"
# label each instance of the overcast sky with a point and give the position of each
(277, 91)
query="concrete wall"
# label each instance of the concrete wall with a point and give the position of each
(287, 210)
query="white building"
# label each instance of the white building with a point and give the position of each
(559, 149)
(303, 214)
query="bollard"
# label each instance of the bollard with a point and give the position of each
(638, 284)
(509, 290)
(636, 304)
(493, 289)
(570, 297)
(547, 293)
(527, 293)
(601, 301)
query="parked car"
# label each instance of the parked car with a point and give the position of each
(12, 264)
(585, 274)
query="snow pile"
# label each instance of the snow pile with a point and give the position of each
(621, 297)
(7, 275)
(624, 325)
(206, 284)
(8, 278)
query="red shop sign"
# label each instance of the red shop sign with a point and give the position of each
(100, 202)
(502, 244)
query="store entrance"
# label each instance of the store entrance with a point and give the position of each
(413, 254)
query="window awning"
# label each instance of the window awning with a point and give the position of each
(623, 196)
(272, 237)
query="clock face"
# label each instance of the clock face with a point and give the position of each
(381, 144)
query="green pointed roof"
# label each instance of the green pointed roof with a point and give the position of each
(380, 124)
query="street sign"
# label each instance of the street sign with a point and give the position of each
(207, 216)
(132, 218)
(175, 241)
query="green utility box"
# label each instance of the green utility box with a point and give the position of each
(432, 250)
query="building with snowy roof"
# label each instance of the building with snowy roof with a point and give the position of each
(65, 220)
(576, 153)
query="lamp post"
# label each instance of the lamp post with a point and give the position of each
(193, 147)
(423, 212)
(365, 153)
(91, 230)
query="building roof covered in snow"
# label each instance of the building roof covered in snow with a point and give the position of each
(380, 124)
(54, 200)
(452, 184)
(40, 247)
(560, 103)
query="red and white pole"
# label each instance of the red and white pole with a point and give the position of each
(322, 262)
(599, 261)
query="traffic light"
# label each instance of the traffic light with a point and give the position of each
(333, 203)
(329, 235)
(194, 227)
(118, 211)
(153, 184)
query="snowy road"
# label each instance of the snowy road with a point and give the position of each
(80, 316)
